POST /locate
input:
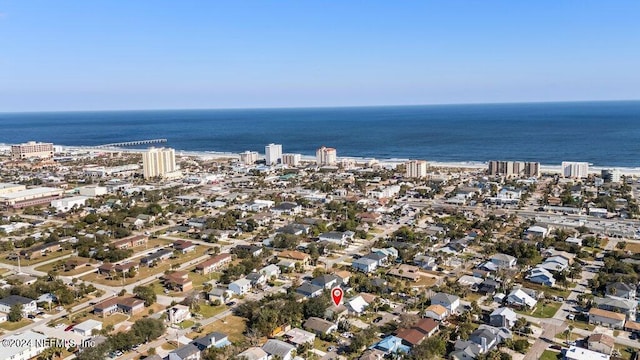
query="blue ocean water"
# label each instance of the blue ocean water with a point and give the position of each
(602, 133)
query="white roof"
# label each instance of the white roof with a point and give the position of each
(88, 325)
(28, 337)
(358, 304)
(524, 297)
(242, 282)
(31, 192)
(577, 353)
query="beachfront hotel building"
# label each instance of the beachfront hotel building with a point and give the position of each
(273, 154)
(158, 162)
(249, 157)
(577, 170)
(514, 168)
(326, 156)
(291, 159)
(610, 175)
(32, 149)
(415, 169)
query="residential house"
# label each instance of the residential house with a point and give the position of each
(299, 337)
(357, 305)
(184, 246)
(578, 353)
(336, 237)
(606, 318)
(257, 205)
(279, 348)
(449, 302)
(133, 223)
(37, 251)
(240, 286)
(294, 229)
(87, 327)
(296, 256)
(537, 231)
(554, 264)
(426, 262)
(257, 279)
(601, 343)
(541, 276)
(327, 281)
(482, 340)
(156, 257)
(423, 329)
(122, 269)
(391, 345)
(178, 281)
(320, 326)
(127, 305)
(28, 305)
(214, 339)
(616, 304)
(215, 263)
(365, 265)
(344, 276)
(130, 242)
(488, 287)
(504, 261)
(286, 208)
(437, 312)
(309, 290)
(24, 345)
(503, 317)
(220, 295)
(178, 313)
(186, 352)
(270, 271)
(621, 290)
(254, 250)
(253, 353)
(519, 298)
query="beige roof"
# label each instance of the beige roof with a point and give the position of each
(607, 314)
(632, 325)
(603, 339)
(438, 309)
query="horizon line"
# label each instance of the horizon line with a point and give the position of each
(322, 106)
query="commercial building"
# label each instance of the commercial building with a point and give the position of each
(6, 188)
(158, 162)
(610, 175)
(326, 156)
(514, 168)
(66, 204)
(32, 149)
(273, 154)
(291, 159)
(114, 171)
(249, 157)
(416, 169)
(30, 197)
(92, 191)
(577, 170)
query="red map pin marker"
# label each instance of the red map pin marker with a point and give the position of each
(336, 295)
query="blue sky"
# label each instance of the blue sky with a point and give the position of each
(108, 54)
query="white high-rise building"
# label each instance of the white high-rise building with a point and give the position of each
(291, 159)
(326, 156)
(158, 162)
(416, 169)
(273, 153)
(576, 170)
(249, 157)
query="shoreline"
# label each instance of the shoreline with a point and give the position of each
(471, 165)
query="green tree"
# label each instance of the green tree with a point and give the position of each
(15, 313)
(145, 293)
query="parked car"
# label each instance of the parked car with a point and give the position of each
(70, 327)
(571, 317)
(377, 320)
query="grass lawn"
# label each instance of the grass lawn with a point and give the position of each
(78, 270)
(198, 279)
(321, 344)
(471, 297)
(145, 271)
(186, 324)
(625, 352)
(109, 320)
(582, 325)
(547, 290)
(543, 311)
(208, 311)
(168, 346)
(231, 325)
(633, 247)
(25, 262)
(603, 243)
(426, 281)
(10, 326)
(550, 355)
(155, 308)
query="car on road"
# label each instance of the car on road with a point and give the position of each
(230, 303)
(70, 327)
(377, 320)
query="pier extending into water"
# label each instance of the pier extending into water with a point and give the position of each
(133, 143)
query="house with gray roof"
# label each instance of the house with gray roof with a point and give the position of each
(186, 352)
(278, 348)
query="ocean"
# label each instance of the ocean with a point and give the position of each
(602, 133)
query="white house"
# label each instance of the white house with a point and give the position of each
(87, 327)
(26, 345)
(520, 298)
(504, 261)
(270, 271)
(178, 313)
(28, 305)
(449, 302)
(537, 231)
(336, 237)
(240, 286)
